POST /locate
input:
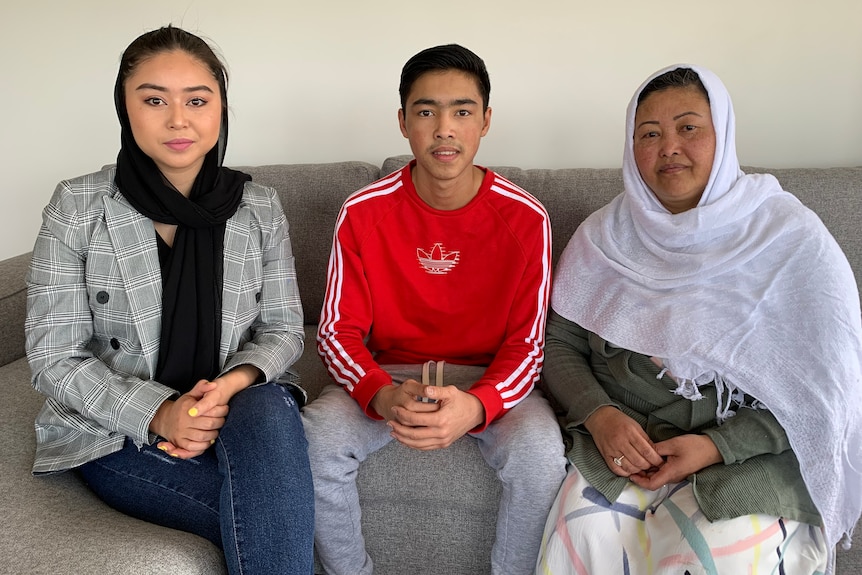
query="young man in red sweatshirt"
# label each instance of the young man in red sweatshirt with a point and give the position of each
(441, 261)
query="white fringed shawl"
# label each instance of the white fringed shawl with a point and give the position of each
(748, 289)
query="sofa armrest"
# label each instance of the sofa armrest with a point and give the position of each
(13, 306)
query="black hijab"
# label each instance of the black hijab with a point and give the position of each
(192, 275)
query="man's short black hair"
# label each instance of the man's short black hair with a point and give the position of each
(440, 59)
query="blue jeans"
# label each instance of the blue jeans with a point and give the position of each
(251, 494)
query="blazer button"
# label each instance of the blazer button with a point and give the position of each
(257, 297)
(114, 343)
(102, 297)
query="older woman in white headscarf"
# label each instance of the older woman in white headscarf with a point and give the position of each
(705, 344)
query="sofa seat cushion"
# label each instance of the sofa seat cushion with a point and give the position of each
(438, 508)
(60, 526)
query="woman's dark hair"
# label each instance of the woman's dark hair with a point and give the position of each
(171, 39)
(440, 59)
(677, 78)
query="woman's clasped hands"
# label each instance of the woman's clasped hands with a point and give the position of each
(191, 423)
(190, 429)
(629, 452)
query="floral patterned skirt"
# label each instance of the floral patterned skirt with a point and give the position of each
(664, 532)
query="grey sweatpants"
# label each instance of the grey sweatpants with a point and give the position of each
(524, 447)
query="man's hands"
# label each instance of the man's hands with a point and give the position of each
(428, 426)
(191, 423)
(404, 395)
(647, 464)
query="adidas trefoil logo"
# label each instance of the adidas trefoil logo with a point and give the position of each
(438, 261)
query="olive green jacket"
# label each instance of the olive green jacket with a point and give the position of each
(760, 473)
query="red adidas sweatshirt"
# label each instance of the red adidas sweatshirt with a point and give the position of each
(407, 283)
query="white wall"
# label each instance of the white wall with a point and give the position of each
(316, 80)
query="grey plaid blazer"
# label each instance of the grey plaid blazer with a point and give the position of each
(94, 314)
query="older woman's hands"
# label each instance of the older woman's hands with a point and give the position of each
(647, 464)
(620, 438)
(684, 455)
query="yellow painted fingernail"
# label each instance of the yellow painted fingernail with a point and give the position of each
(163, 448)
(173, 455)
(212, 441)
(193, 412)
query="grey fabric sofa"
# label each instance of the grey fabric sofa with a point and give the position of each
(423, 513)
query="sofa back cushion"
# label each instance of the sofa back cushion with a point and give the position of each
(311, 195)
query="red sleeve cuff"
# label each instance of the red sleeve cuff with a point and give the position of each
(491, 401)
(367, 388)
